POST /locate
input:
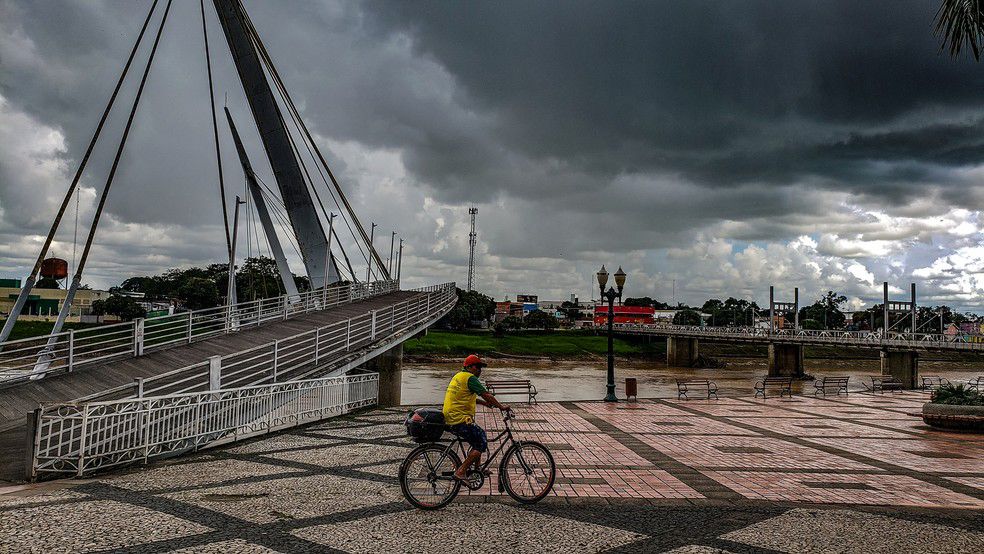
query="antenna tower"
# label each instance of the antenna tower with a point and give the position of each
(471, 248)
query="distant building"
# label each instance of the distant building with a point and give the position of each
(44, 304)
(637, 315)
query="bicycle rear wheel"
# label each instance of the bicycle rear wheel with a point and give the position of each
(427, 476)
(528, 471)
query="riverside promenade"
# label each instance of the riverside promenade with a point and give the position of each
(844, 474)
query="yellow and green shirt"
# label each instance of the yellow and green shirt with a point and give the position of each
(459, 400)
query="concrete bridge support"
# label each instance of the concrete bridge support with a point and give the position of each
(785, 360)
(681, 351)
(389, 366)
(904, 366)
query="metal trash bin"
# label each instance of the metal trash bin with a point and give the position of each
(631, 388)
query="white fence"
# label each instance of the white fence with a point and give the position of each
(35, 357)
(80, 439)
(804, 336)
(297, 356)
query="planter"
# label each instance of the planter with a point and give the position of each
(960, 418)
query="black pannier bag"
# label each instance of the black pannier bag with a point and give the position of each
(425, 424)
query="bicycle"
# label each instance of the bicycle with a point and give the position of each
(527, 470)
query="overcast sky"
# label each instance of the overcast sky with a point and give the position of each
(725, 146)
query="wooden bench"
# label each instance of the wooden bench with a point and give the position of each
(977, 384)
(513, 386)
(784, 384)
(708, 388)
(884, 383)
(930, 382)
(838, 383)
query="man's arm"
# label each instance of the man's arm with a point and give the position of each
(491, 401)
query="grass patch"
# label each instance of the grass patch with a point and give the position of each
(27, 329)
(528, 343)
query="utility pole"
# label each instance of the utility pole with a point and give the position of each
(372, 235)
(389, 263)
(399, 262)
(471, 248)
(231, 285)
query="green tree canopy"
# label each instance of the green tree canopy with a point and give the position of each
(199, 293)
(686, 317)
(539, 319)
(472, 307)
(122, 307)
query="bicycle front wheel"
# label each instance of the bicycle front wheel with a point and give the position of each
(528, 471)
(427, 476)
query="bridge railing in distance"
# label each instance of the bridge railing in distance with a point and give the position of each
(82, 438)
(829, 336)
(318, 350)
(35, 357)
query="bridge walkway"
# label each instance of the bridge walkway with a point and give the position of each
(16, 401)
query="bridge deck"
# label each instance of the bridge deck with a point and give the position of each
(17, 401)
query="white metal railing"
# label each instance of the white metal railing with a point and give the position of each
(82, 438)
(829, 336)
(34, 357)
(296, 356)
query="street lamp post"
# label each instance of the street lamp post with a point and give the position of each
(610, 295)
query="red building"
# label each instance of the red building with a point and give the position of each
(639, 315)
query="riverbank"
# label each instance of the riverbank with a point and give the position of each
(567, 345)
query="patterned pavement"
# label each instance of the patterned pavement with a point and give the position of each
(845, 474)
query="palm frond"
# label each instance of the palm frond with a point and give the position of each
(960, 24)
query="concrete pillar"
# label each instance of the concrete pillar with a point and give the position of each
(681, 351)
(904, 366)
(389, 366)
(785, 360)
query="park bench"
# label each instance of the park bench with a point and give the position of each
(931, 382)
(884, 383)
(784, 384)
(976, 384)
(513, 386)
(707, 388)
(837, 383)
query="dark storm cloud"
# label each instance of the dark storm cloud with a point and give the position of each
(582, 129)
(722, 93)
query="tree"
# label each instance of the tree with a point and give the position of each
(646, 301)
(686, 317)
(570, 311)
(122, 307)
(826, 311)
(199, 293)
(47, 283)
(509, 323)
(472, 307)
(539, 319)
(960, 24)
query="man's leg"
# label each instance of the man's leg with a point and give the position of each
(474, 456)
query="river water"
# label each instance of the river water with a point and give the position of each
(424, 383)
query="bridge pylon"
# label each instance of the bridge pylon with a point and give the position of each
(901, 364)
(785, 360)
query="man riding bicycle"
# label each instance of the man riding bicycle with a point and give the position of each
(459, 411)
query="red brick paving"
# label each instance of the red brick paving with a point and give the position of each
(860, 449)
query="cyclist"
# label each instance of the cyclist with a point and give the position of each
(459, 411)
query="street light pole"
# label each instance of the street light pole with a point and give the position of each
(610, 295)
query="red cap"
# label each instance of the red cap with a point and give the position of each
(473, 360)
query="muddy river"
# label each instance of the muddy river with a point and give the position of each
(424, 383)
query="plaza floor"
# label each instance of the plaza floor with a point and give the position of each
(844, 474)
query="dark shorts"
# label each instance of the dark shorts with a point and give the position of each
(472, 434)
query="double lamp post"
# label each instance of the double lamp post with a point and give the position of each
(610, 295)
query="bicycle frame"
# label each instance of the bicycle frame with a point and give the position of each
(507, 432)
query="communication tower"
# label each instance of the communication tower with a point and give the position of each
(471, 248)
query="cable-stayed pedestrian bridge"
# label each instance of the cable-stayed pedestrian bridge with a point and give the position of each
(188, 360)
